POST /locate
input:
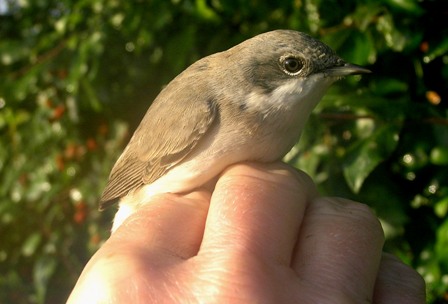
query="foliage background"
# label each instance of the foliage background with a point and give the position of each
(77, 77)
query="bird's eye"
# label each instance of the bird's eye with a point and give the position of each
(292, 65)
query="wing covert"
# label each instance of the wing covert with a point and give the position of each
(169, 131)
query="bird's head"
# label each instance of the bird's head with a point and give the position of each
(282, 68)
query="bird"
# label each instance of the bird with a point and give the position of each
(247, 103)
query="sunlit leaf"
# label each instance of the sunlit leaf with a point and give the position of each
(31, 243)
(43, 270)
(441, 245)
(367, 154)
(410, 6)
(441, 207)
(393, 37)
(366, 14)
(439, 49)
(204, 11)
(439, 155)
(13, 51)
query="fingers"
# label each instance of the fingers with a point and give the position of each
(265, 232)
(257, 209)
(252, 206)
(170, 225)
(340, 243)
(398, 283)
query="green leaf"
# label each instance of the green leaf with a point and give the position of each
(363, 50)
(337, 39)
(410, 6)
(31, 243)
(205, 11)
(441, 245)
(436, 51)
(367, 153)
(441, 207)
(394, 38)
(366, 14)
(44, 268)
(386, 85)
(91, 94)
(439, 155)
(353, 46)
(13, 51)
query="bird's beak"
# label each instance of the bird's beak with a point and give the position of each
(346, 69)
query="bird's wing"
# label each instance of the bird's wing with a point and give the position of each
(165, 136)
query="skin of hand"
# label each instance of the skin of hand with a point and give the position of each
(263, 235)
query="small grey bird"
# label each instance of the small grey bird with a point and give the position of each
(247, 103)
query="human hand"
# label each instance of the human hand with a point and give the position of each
(262, 236)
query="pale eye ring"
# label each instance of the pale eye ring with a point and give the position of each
(292, 65)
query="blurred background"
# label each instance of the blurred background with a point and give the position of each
(76, 77)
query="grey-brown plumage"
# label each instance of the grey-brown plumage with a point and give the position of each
(160, 142)
(247, 103)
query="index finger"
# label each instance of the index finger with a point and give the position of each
(257, 208)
